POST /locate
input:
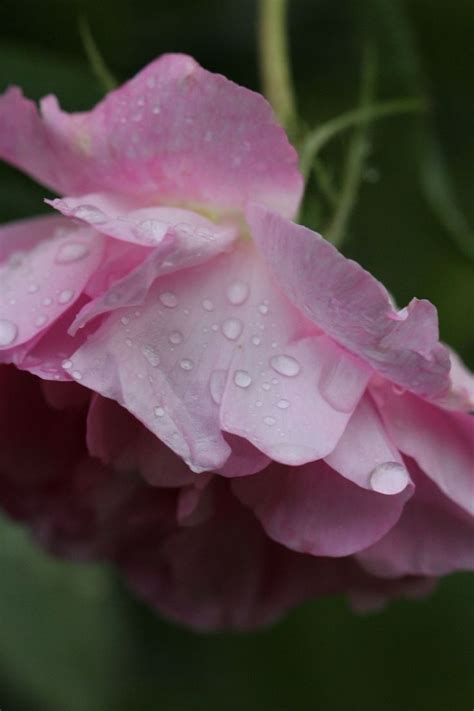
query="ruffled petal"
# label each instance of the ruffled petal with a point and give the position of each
(218, 347)
(175, 131)
(312, 509)
(351, 306)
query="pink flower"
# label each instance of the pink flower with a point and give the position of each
(223, 405)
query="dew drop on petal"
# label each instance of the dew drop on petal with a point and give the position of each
(151, 355)
(269, 420)
(242, 379)
(186, 364)
(65, 296)
(77, 375)
(256, 340)
(40, 321)
(8, 332)
(285, 365)
(33, 288)
(237, 292)
(175, 337)
(158, 411)
(263, 308)
(169, 299)
(67, 364)
(266, 386)
(71, 252)
(89, 213)
(47, 301)
(389, 478)
(207, 305)
(283, 404)
(232, 328)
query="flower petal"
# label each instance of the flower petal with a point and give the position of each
(439, 440)
(312, 509)
(432, 537)
(366, 455)
(175, 131)
(39, 285)
(351, 306)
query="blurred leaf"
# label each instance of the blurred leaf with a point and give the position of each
(61, 631)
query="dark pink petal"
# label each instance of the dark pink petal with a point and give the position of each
(433, 537)
(351, 306)
(312, 509)
(439, 440)
(175, 131)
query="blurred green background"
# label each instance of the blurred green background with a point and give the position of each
(71, 638)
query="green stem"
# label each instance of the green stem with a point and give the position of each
(275, 62)
(318, 138)
(96, 61)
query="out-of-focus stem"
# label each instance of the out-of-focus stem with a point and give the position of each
(274, 61)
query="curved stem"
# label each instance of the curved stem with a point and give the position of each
(274, 61)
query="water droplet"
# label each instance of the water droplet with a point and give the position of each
(71, 252)
(283, 404)
(8, 332)
(266, 386)
(47, 302)
(389, 478)
(242, 379)
(169, 299)
(285, 365)
(269, 420)
(256, 340)
(65, 296)
(41, 320)
(125, 320)
(175, 337)
(237, 292)
(217, 384)
(67, 364)
(151, 355)
(207, 305)
(89, 213)
(186, 364)
(129, 342)
(259, 403)
(77, 375)
(33, 288)
(232, 328)
(215, 327)
(263, 308)
(158, 411)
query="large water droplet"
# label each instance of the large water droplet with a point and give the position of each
(168, 299)
(89, 213)
(71, 252)
(232, 328)
(65, 296)
(8, 332)
(285, 365)
(217, 383)
(242, 379)
(151, 355)
(237, 292)
(175, 337)
(186, 364)
(389, 478)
